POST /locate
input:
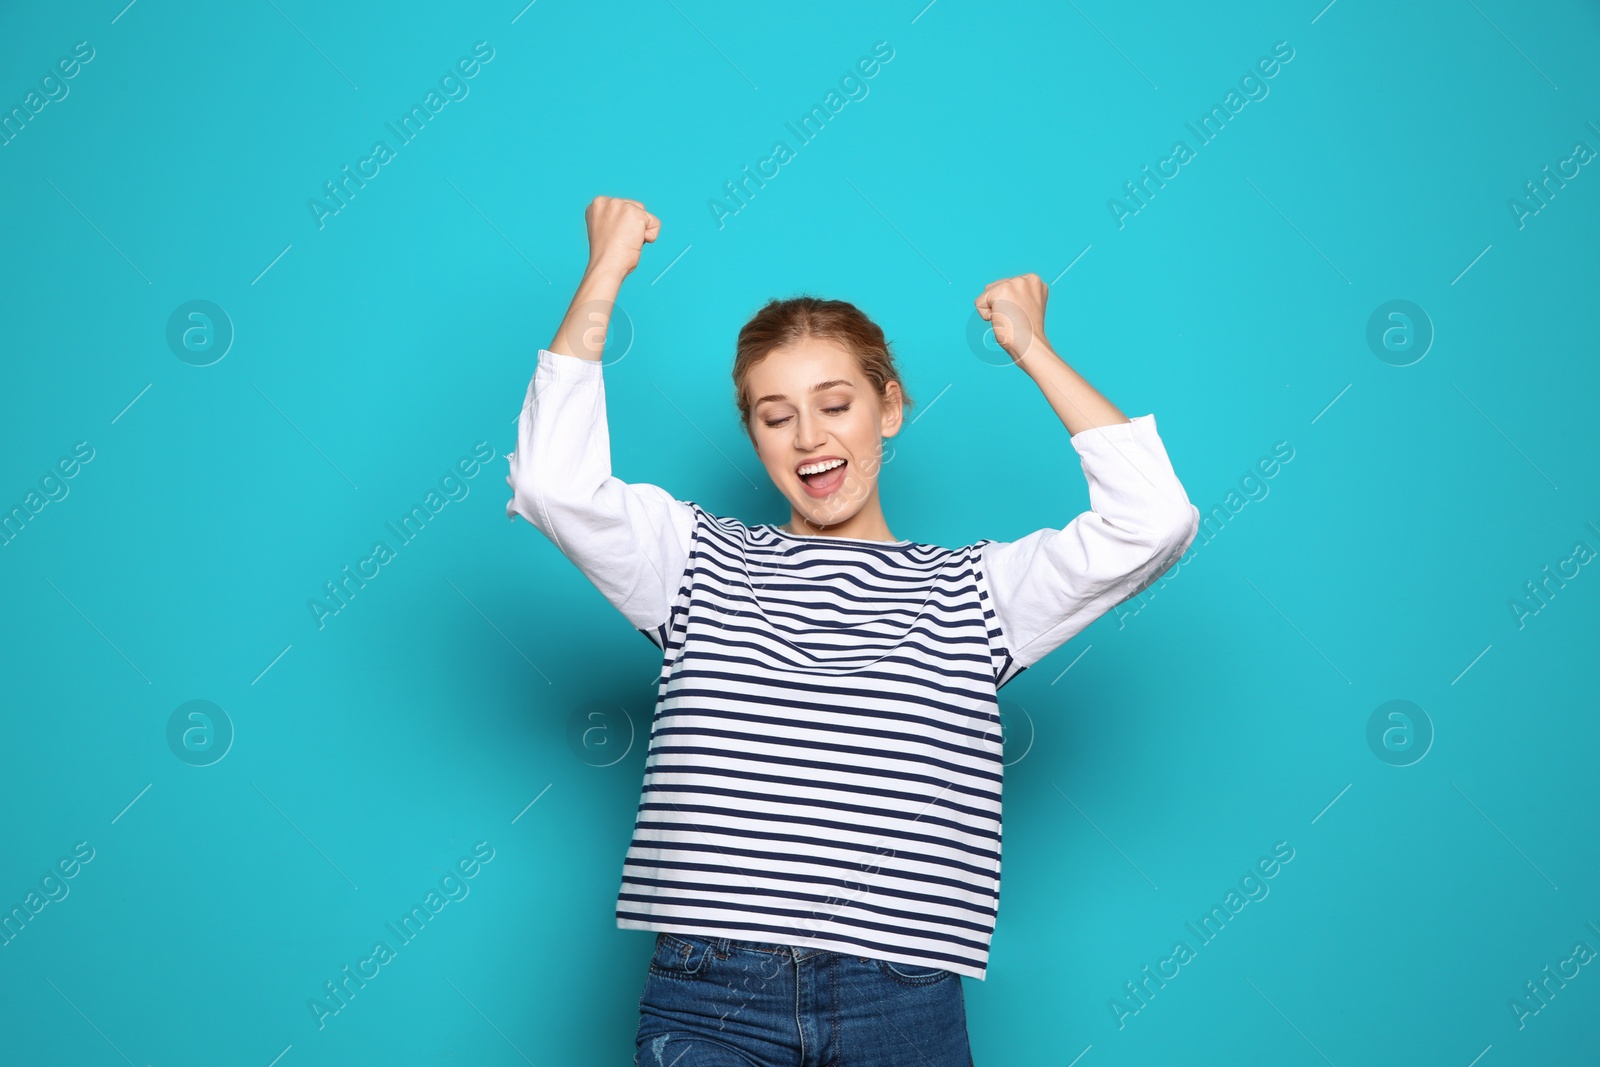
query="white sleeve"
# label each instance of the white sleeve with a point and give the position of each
(630, 539)
(1050, 585)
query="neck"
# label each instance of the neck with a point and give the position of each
(866, 525)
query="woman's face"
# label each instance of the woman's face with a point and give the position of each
(794, 424)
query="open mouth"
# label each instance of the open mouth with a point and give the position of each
(822, 483)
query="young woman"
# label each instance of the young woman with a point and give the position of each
(817, 846)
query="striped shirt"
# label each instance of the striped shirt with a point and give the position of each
(825, 760)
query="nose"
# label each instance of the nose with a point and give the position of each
(808, 433)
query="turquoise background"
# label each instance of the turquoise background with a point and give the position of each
(1224, 711)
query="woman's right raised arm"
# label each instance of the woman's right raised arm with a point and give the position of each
(630, 539)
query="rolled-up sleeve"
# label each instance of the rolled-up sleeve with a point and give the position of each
(630, 539)
(1050, 585)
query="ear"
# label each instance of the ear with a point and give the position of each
(893, 408)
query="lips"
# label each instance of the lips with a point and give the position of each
(825, 484)
(813, 460)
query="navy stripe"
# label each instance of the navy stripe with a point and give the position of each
(771, 912)
(721, 747)
(976, 925)
(926, 818)
(876, 715)
(714, 772)
(918, 655)
(936, 899)
(814, 820)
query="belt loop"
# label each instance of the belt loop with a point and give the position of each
(722, 944)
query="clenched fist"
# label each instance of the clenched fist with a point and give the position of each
(618, 230)
(1014, 309)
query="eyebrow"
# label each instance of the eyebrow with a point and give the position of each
(819, 387)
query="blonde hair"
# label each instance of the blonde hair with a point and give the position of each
(785, 322)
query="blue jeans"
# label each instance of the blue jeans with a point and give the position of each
(718, 1002)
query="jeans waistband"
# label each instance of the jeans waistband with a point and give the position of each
(723, 945)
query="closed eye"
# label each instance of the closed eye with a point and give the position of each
(836, 410)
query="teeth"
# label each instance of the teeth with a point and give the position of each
(817, 468)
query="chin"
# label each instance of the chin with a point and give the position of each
(825, 519)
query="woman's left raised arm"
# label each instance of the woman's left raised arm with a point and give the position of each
(1052, 583)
